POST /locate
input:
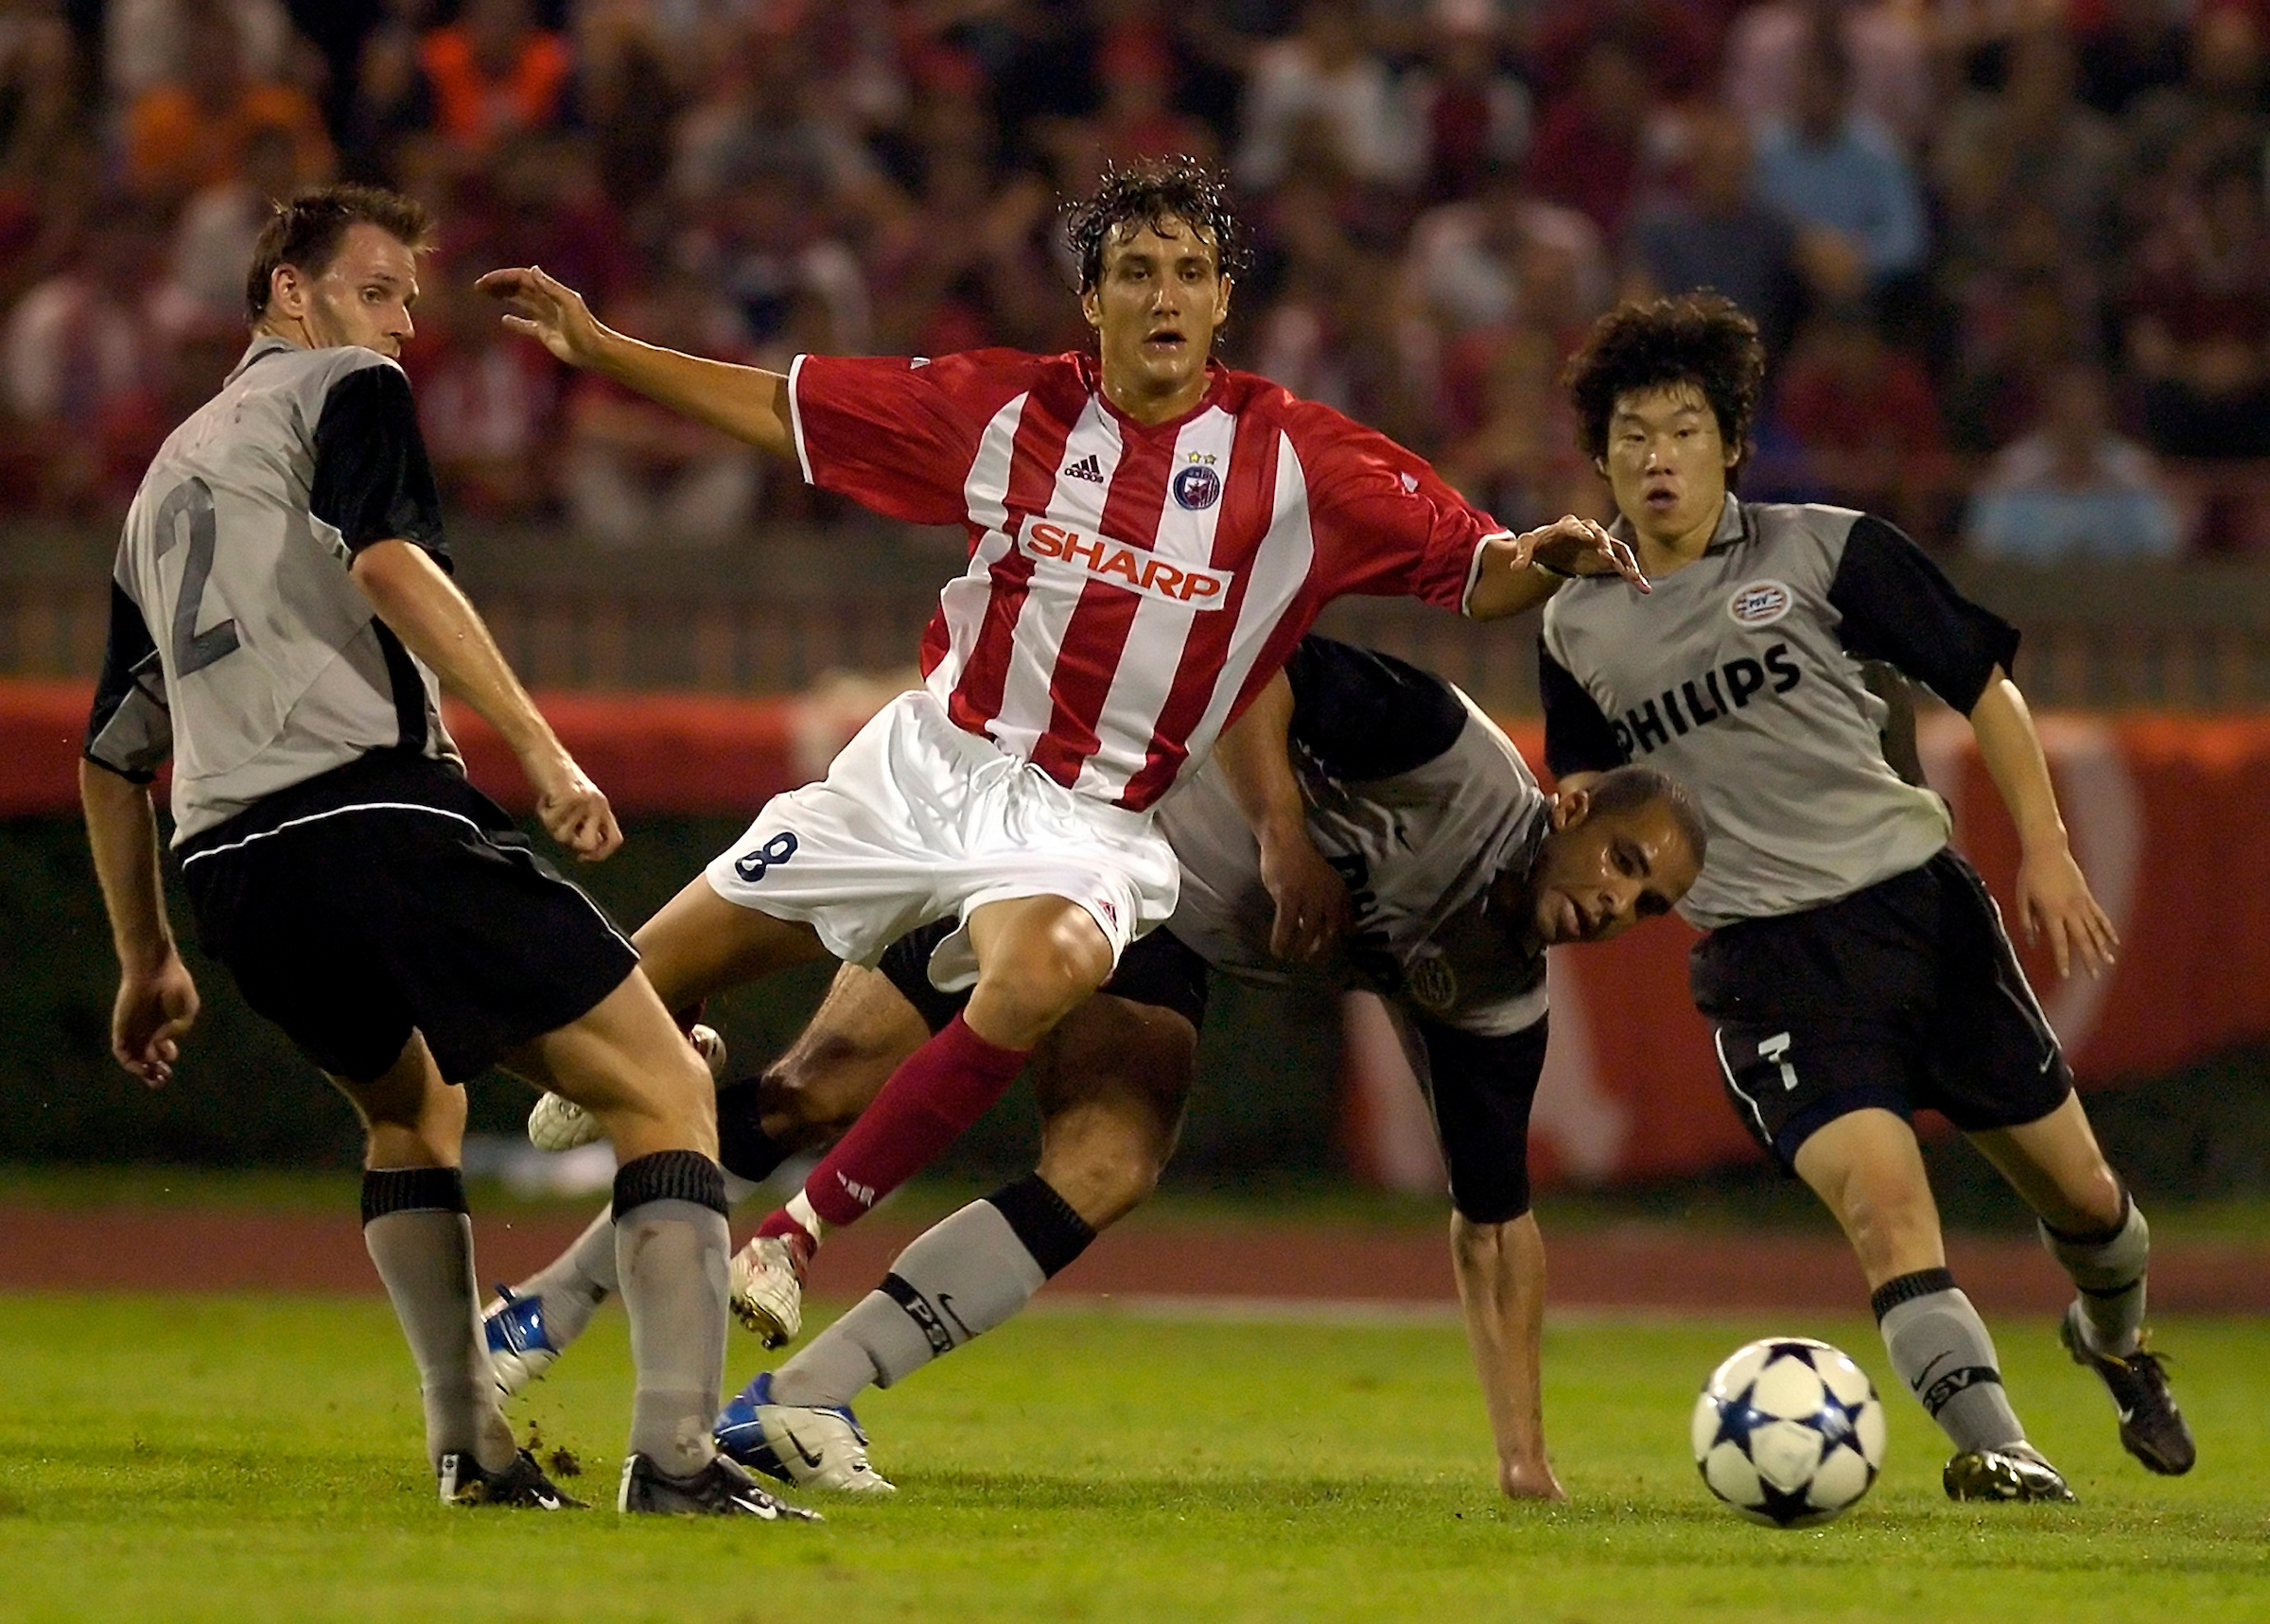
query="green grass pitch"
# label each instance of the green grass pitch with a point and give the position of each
(228, 1458)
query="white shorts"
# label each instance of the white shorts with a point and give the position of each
(918, 819)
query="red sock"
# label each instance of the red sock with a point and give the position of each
(936, 1093)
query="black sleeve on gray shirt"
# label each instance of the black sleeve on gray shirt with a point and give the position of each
(1359, 715)
(1481, 1090)
(372, 480)
(129, 730)
(1899, 607)
(1577, 738)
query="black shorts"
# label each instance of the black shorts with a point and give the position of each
(1157, 968)
(1901, 996)
(389, 896)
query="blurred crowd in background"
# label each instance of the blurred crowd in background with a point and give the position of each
(2011, 257)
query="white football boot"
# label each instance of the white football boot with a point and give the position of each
(813, 1446)
(768, 1289)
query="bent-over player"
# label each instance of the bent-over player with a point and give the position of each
(288, 543)
(1461, 873)
(1149, 533)
(1856, 967)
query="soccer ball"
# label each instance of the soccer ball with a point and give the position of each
(1789, 1431)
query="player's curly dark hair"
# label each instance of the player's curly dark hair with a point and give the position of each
(1698, 339)
(305, 232)
(1150, 192)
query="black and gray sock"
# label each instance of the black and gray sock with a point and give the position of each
(2108, 1270)
(415, 1227)
(960, 1278)
(1940, 1347)
(670, 1245)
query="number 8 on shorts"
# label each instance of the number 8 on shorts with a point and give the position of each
(751, 866)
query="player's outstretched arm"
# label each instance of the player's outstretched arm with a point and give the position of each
(2052, 896)
(1500, 1269)
(422, 607)
(745, 402)
(1256, 758)
(157, 1000)
(1519, 573)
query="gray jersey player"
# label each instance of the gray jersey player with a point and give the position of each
(1856, 967)
(282, 624)
(1357, 784)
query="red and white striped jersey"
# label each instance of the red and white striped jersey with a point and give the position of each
(1130, 587)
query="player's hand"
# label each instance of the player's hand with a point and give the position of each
(2055, 901)
(1311, 898)
(1529, 1481)
(1578, 546)
(153, 1011)
(572, 808)
(543, 307)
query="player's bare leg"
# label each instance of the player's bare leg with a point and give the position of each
(1867, 1169)
(2099, 1237)
(1037, 958)
(415, 1226)
(698, 945)
(1111, 1083)
(1111, 1079)
(839, 1062)
(1866, 1166)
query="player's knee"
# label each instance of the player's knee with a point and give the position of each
(1893, 1221)
(1045, 981)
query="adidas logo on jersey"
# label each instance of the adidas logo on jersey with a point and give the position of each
(1130, 566)
(1085, 468)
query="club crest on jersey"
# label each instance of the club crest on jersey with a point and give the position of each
(1760, 603)
(1128, 566)
(1432, 985)
(1197, 486)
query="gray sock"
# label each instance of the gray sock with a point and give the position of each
(1940, 1347)
(2108, 1269)
(961, 1277)
(574, 1283)
(415, 1228)
(670, 1245)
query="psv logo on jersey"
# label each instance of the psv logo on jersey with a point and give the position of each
(1104, 559)
(1760, 603)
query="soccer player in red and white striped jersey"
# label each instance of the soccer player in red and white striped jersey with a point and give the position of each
(1150, 532)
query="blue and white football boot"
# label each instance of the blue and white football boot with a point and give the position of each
(813, 1446)
(519, 1348)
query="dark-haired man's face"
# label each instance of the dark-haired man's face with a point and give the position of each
(1599, 873)
(1667, 462)
(1156, 305)
(362, 297)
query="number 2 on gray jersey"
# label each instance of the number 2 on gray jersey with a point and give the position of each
(193, 650)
